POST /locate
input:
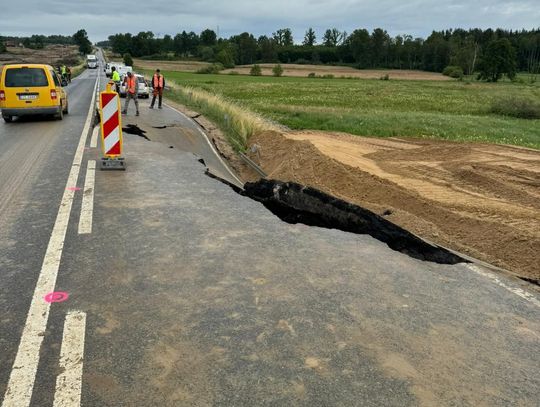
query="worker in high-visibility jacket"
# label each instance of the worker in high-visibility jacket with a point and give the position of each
(158, 83)
(115, 77)
(132, 85)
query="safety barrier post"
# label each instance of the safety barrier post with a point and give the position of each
(111, 130)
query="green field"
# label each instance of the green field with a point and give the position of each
(450, 110)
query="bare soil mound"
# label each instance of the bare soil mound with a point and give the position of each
(479, 199)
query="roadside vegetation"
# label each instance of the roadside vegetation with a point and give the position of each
(450, 110)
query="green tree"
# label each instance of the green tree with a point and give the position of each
(332, 37)
(283, 37)
(226, 58)
(2, 46)
(128, 60)
(499, 59)
(268, 49)
(80, 38)
(310, 38)
(247, 48)
(255, 70)
(359, 45)
(208, 38)
(277, 70)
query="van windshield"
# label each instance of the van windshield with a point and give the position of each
(25, 77)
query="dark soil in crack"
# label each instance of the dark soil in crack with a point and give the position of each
(478, 199)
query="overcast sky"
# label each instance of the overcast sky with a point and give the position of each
(102, 18)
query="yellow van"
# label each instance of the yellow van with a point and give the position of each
(31, 89)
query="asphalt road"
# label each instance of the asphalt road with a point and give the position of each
(196, 296)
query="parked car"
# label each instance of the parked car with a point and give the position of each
(143, 90)
(31, 89)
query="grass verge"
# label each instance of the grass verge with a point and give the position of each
(449, 110)
(237, 123)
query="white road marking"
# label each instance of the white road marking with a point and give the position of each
(240, 183)
(69, 382)
(515, 290)
(87, 208)
(94, 139)
(23, 374)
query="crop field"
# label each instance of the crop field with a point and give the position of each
(450, 110)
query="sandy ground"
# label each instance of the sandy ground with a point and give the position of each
(297, 70)
(482, 200)
(342, 71)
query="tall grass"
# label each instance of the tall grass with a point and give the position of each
(238, 123)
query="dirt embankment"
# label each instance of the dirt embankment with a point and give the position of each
(51, 55)
(479, 199)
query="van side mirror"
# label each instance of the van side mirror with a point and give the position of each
(64, 82)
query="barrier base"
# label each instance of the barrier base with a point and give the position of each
(112, 164)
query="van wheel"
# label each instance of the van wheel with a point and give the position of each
(66, 110)
(8, 119)
(59, 115)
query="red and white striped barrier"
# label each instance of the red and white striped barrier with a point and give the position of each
(111, 130)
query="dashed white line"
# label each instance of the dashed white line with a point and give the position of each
(515, 290)
(23, 374)
(87, 208)
(69, 382)
(94, 139)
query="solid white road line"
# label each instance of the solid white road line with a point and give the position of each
(69, 382)
(87, 208)
(94, 139)
(515, 290)
(23, 374)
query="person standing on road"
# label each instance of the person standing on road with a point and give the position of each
(115, 77)
(158, 83)
(131, 92)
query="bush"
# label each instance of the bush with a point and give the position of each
(224, 57)
(2, 47)
(453, 72)
(234, 73)
(211, 69)
(312, 75)
(328, 76)
(385, 77)
(277, 70)
(128, 61)
(255, 70)
(516, 107)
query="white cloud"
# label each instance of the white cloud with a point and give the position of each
(102, 18)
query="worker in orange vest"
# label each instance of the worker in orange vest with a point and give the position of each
(132, 86)
(158, 83)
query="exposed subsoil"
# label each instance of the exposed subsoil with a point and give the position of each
(482, 200)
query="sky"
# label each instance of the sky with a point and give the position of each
(101, 18)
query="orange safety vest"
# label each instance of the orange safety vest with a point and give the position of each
(131, 84)
(157, 81)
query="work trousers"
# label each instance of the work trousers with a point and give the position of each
(157, 91)
(130, 96)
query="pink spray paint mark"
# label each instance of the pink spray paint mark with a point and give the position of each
(58, 296)
(74, 189)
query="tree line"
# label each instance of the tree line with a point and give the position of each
(36, 41)
(469, 50)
